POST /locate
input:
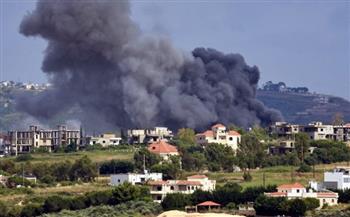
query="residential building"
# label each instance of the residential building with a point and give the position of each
(219, 134)
(297, 190)
(146, 136)
(163, 149)
(25, 141)
(318, 131)
(159, 189)
(315, 131)
(284, 130)
(135, 178)
(342, 133)
(339, 178)
(105, 140)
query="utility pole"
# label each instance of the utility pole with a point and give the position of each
(313, 170)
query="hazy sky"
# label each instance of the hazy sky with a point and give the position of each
(303, 43)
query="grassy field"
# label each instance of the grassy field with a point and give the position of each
(273, 175)
(95, 156)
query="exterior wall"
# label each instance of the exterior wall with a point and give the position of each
(138, 136)
(328, 201)
(105, 140)
(134, 178)
(207, 185)
(160, 190)
(339, 178)
(220, 136)
(25, 141)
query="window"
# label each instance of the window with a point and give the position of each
(332, 200)
(346, 179)
(324, 200)
(298, 190)
(230, 138)
(118, 180)
(172, 188)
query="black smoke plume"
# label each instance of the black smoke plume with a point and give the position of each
(98, 59)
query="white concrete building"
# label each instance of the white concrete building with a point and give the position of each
(297, 190)
(159, 189)
(106, 140)
(135, 178)
(25, 141)
(147, 136)
(318, 131)
(339, 178)
(219, 134)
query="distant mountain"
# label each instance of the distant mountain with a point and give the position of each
(305, 107)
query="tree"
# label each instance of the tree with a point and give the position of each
(247, 177)
(297, 207)
(144, 155)
(169, 170)
(127, 192)
(251, 152)
(186, 136)
(193, 161)
(230, 192)
(61, 171)
(302, 144)
(176, 201)
(200, 196)
(115, 166)
(56, 203)
(83, 169)
(220, 157)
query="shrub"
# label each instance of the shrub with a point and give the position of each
(304, 168)
(32, 210)
(247, 177)
(48, 179)
(311, 203)
(56, 204)
(79, 202)
(13, 181)
(98, 198)
(297, 207)
(176, 201)
(3, 210)
(127, 192)
(24, 157)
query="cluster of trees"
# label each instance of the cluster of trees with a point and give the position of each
(82, 169)
(228, 195)
(56, 203)
(170, 169)
(328, 152)
(273, 206)
(116, 166)
(131, 208)
(231, 195)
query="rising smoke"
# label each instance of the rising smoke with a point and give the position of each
(98, 59)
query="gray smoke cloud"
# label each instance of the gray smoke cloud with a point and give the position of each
(97, 58)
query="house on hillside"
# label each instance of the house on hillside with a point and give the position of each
(163, 149)
(221, 135)
(135, 178)
(159, 189)
(297, 190)
(105, 140)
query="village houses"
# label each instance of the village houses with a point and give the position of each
(221, 135)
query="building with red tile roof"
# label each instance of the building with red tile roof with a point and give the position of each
(297, 190)
(164, 149)
(219, 134)
(159, 189)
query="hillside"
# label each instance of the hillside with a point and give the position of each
(305, 107)
(295, 107)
